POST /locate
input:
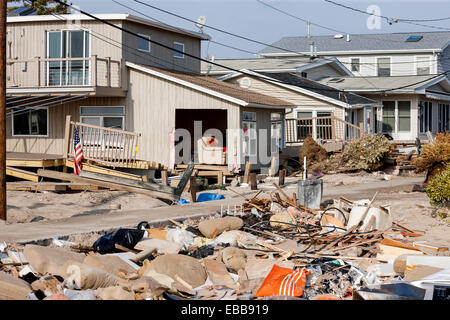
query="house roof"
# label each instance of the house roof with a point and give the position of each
(109, 17)
(323, 90)
(362, 42)
(411, 84)
(270, 65)
(223, 90)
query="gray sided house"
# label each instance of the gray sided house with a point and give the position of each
(125, 94)
(409, 106)
(386, 54)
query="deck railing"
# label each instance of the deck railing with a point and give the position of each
(64, 72)
(103, 145)
(323, 128)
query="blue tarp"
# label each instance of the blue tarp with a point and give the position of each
(203, 197)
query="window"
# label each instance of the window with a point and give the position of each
(425, 116)
(423, 66)
(142, 44)
(404, 115)
(180, 47)
(67, 44)
(108, 117)
(384, 67)
(355, 64)
(276, 132)
(30, 122)
(304, 75)
(389, 116)
(250, 134)
(444, 117)
(414, 38)
(304, 127)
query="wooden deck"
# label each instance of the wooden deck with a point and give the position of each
(33, 160)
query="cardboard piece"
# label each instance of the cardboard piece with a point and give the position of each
(218, 274)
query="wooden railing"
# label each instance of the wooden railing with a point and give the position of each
(64, 72)
(323, 128)
(103, 145)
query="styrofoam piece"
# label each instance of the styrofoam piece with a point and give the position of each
(27, 269)
(16, 257)
(383, 218)
(126, 256)
(432, 261)
(61, 243)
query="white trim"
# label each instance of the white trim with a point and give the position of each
(325, 62)
(357, 52)
(32, 135)
(432, 83)
(175, 53)
(109, 17)
(67, 89)
(149, 43)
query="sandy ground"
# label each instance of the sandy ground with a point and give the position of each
(411, 209)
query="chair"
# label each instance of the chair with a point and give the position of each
(210, 153)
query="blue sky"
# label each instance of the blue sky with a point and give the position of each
(254, 20)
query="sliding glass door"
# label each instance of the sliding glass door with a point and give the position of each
(67, 51)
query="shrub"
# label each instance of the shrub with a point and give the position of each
(438, 190)
(367, 152)
(434, 155)
(313, 152)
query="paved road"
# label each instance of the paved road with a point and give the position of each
(28, 232)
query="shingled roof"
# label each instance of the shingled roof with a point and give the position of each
(361, 42)
(319, 88)
(228, 89)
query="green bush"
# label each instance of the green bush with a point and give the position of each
(367, 152)
(438, 190)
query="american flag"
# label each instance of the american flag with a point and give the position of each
(78, 156)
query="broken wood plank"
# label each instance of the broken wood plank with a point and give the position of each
(193, 189)
(105, 184)
(184, 179)
(164, 178)
(281, 177)
(98, 169)
(248, 166)
(253, 182)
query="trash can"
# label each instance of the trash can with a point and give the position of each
(310, 193)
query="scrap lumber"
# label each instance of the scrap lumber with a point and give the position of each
(248, 166)
(98, 169)
(50, 186)
(22, 174)
(105, 184)
(184, 179)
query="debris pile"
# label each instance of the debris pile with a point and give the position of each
(273, 248)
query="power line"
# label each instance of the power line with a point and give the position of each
(201, 59)
(159, 21)
(391, 20)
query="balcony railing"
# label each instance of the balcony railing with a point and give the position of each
(64, 72)
(323, 128)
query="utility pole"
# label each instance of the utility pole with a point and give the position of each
(3, 7)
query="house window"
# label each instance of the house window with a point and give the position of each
(404, 116)
(180, 47)
(423, 66)
(142, 44)
(108, 117)
(355, 64)
(304, 74)
(425, 116)
(396, 116)
(73, 46)
(389, 116)
(276, 132)
(250, 134)
(304, 126)
(444, 117)
(30, 123)
(384, 67)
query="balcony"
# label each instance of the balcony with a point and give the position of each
(98, 76)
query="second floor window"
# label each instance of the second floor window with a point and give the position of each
(423, 66)
(180, 47)
(355, 64)
(384, 67)
(142, 44)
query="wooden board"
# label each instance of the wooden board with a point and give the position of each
(35, 163)
(203, 167)
(389, 252)
(22, 174)
(105, 184)
(97, 169)
(50, 186)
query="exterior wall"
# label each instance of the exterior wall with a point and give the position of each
(159, 56)
(151, 109)
(401, 64)
(322, 72)
(54, 143)
(444, 60)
